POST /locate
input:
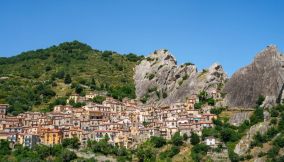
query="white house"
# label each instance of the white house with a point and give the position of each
(210, 141)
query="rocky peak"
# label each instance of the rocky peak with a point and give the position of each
(162, 56)
(159, 80)
(216, 73)
(269, 51)
(264, 76)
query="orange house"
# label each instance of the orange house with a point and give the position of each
(52, 136)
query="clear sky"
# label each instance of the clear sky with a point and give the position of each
(229, 32)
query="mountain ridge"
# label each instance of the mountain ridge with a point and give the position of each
(155, 79)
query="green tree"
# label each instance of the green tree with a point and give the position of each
(233, 156)
(216, 110)
(93, 85)
(174, 150)
(60, 101)
(202, 96)
(229, 135)
(257, 116)
(258, 140)
(260, 100)
(133, 57)
(5, 149)
(198, 105)
(279, 141)
(206, 132)
(274, 113)
(194, 139)
(60, 74)
(47, 68)
(185, 137)
(273, 152)
(41, 151)
(71, 142)
(67, 79)
(158, 141)
(211, 101)
(199, 151)
(68, 156)
(99, 99)
(145, 152)
(177, 139)
(79, 89)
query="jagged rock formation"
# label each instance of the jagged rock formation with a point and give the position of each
(265, 76)
(159, 80)
(244, 144)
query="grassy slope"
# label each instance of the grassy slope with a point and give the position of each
(33, 68)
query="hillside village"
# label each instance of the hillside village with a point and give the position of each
(159, 111)
(126, 123)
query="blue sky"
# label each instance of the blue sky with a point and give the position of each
(200, 31)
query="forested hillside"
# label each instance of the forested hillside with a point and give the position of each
(34, 80)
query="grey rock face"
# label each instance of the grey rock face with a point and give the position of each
(161, 81)
(244, 144)
(269, 101)
(238, 118)
(265, 76)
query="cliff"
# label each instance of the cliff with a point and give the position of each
(263, 77)
(159, 79)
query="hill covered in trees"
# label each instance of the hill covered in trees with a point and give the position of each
(34, 80)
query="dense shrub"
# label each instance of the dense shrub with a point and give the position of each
(177, 139)
(210, 101)
(37, 153)
(273, 152)
(71, 142)
(174, 150)
(5, 149)
(146, 152)
(158, 141)
(257, 116)
(260, 100)
(258, 140)
(67, 79)
(99, 99)
(233, 156)
(229, 135)
(151, 76)
(216, 110)
(198, 105)
(133, 57)
(194, 139)
(199, 151)
(279, 141)
(206, 132)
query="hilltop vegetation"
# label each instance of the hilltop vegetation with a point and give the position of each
(34, 79)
